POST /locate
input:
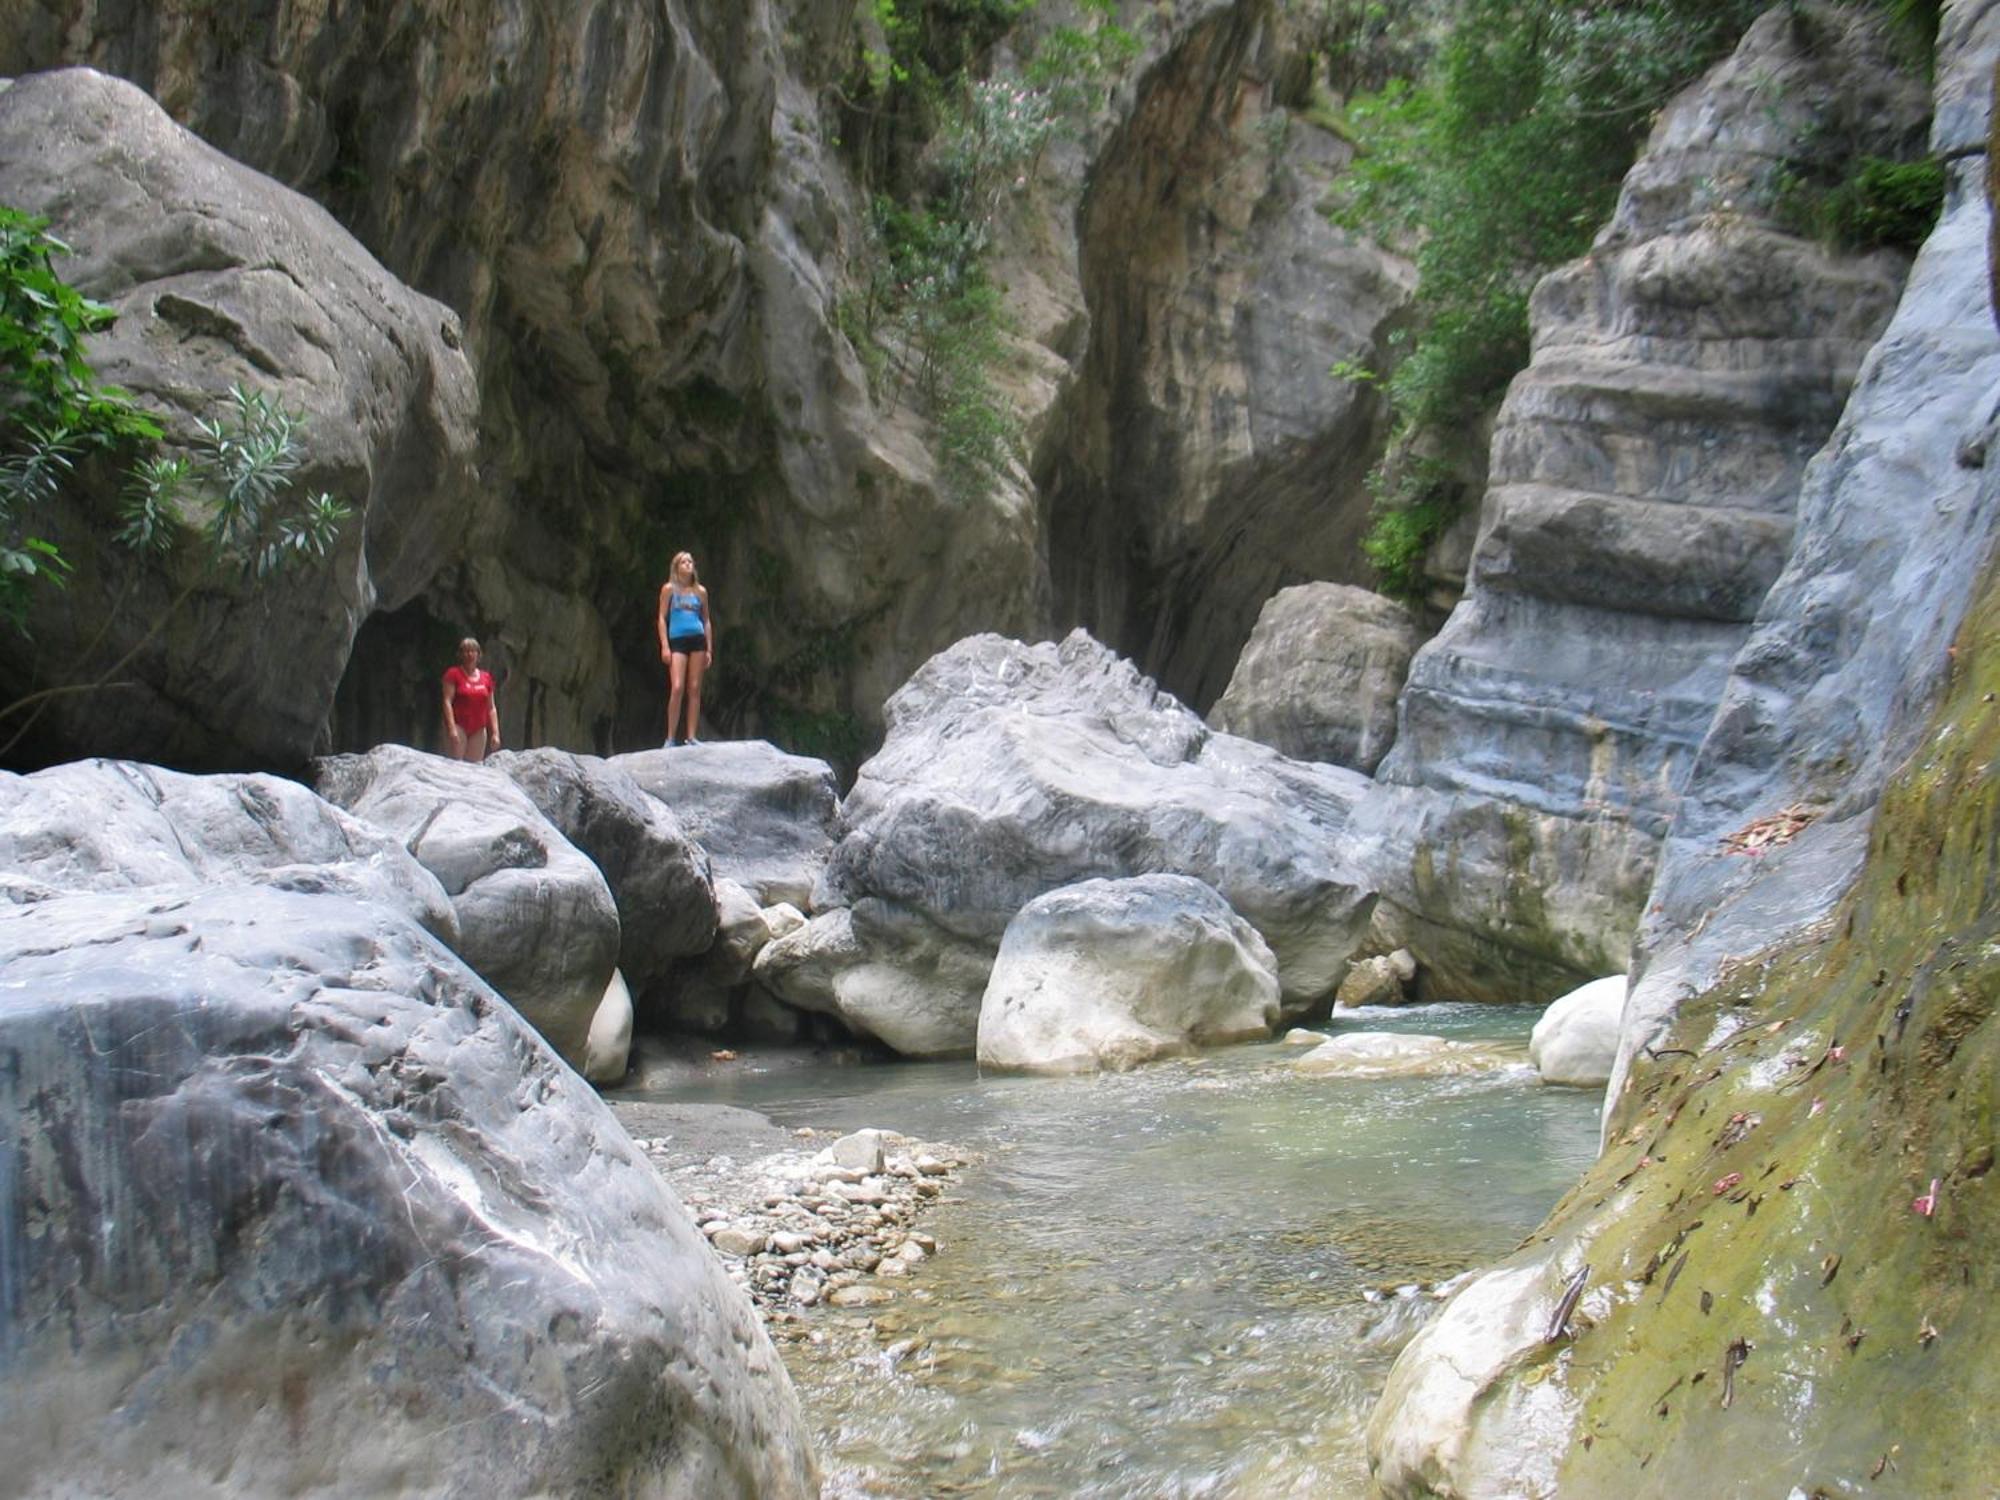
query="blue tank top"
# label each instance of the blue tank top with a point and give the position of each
(684, 617)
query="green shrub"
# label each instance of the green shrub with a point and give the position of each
(1878, 204)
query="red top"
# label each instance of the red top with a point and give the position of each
(471, 697)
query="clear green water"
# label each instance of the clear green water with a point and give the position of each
(1153, 1283)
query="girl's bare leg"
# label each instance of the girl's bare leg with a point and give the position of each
(676, 680)
(475, 744)
(695, 661)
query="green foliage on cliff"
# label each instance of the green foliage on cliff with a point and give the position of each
(944, 142)
(1876, 204)
(1496, 165)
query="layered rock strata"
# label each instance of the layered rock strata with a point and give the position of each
(1644, 473)
(1795, 1174)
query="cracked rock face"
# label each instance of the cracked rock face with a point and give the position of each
(1644, 474)
(296, 1204)
(219, 276)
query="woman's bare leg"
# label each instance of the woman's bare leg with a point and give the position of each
(475, 744)
(676, 679)
(695, 661)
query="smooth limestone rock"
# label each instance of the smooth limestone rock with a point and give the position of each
(1863, 924)
(1012, 770)
(107, 825)
(315, 1213)
(607, 1050)
(1108, 974)
(1211, 451)
(1404, 1054)
(1576, 1040)
(535, 917)
(886, 972)
(658, 876)
(1382, 980)
(1644, 472)
(1320, 676)
(766, 818)
(219, 275)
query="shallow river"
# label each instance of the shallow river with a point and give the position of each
(1159, 1283)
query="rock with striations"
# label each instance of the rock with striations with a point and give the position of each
(885, 971)
(1828, 704)
(766, 818)
(1108, 974)
(105, 825)
(1012, 770)
(1644, 473)
(314, 1212)
(535, 917)
(1320, 676)
(221, 276)
(1576, 1040)
(658, 875)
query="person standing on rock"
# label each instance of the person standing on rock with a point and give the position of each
(687, 644)
(471, 713)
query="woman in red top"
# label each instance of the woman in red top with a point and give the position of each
(471, 716)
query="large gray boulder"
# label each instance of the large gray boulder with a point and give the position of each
(535, 918)
(1576, 1040)
(1011, 770)
(658, 875)
(106, 825)
(1320, 676)
(766, 818)
(1108, 974)
(1644, 472)
(886, 972)
(297, 1206)
(220, 275)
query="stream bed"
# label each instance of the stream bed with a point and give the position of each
(1165, 1283)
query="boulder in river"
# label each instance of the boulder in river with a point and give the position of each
(1113, 973)
(1382, 980)
(311, 1211)
(1576, 1040)
(535, 917)
(1012, 770)
(1404, 1054)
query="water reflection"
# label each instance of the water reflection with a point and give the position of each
(1156, 1283)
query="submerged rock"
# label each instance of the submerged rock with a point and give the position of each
(535, 917)
(1576, 1040)
(1013, 770)
(314, 1211)
(1113, 973)
(1404, 1054)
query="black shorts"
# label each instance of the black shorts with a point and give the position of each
(687, 645)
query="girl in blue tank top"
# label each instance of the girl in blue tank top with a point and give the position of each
(687, 644)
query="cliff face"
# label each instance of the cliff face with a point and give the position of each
(1209, 454)
(1795, 1187)
(1644, 473)
(633, 211)
(653, 249)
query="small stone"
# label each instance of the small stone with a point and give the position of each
(785, 1242)
(861, 1296)
(824, 1259)
(911, 1252)
(930, 1166)
(893, 1268)
(732, 1239)
(930, 1187)
(862, 1150)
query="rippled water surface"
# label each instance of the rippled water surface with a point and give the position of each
(1154, 1284)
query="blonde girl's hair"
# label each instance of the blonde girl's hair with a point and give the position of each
(674, 568)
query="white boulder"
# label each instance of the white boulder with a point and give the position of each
(1576, 1040)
